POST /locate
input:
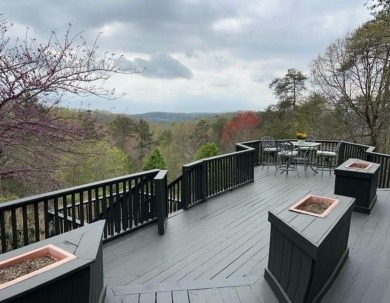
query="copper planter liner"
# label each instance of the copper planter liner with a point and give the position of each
(360, 165)
(61, 256)
(310, 199)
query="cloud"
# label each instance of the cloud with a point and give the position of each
(231, 25)
(230, 50)
(263, 77)
(162, 66)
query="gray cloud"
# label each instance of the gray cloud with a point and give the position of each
(253, 41)
(161, 66)
(263, 77)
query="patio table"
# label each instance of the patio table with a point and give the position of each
(303, 146)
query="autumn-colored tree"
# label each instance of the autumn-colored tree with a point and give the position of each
(34, 78)
(242, 127)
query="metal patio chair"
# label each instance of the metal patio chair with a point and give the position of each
(286, 154)
(269, 151)
(327, 158)
(304, 158)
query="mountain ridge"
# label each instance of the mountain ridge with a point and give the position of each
(172, 116)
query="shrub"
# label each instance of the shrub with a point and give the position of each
(206, 151)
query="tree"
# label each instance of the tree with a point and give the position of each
(98, 161)
(122, 128)
(354, 75)
(165, 138)
(199, 135)
(379, 7)
(206, 151)
(34, 77)
(144, 139)
(155, 161)
(289, 88)
(242, 127)
(217, 127)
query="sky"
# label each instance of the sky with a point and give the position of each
(200, 55)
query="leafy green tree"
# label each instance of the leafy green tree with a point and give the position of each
(155, 161)
(99, 161)
(165, 138)
(121, 129)
(199, 135)
(218, 126)
(206, 151)
(289, 89)
(144, 137)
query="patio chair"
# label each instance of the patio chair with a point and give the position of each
(305, 152)
(269, 151)
(286, 154)
(327, 158)
(304, 158)
(310, 138)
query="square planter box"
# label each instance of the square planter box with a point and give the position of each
(61, 256)
(307, 250)
(358, 179)
(79, 278)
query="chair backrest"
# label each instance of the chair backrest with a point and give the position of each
(310, 138)
(285, 146)
(337, 148)
(267, 141)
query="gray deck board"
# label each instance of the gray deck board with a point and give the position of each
(217, 251)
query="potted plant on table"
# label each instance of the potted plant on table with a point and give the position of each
(301, 136)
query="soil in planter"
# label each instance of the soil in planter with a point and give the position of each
(315, 207)
(17, 270)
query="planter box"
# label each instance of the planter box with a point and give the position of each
(358, 179)
(324, 205)
(61, 256)
(78, 280)
(306, 251)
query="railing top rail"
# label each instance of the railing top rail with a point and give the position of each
(161, 175)
(67, 191)
(249, 142)
(378, 154)
(247, 149)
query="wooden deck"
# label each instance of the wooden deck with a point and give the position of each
(217, 251)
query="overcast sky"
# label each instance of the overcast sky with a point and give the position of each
(200, 55)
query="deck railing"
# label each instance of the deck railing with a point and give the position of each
(209, 177)
(174, 195)
(133, 201)
(347, 150)
(126, 203)
(366, 152)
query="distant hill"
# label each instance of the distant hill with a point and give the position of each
(171, 117)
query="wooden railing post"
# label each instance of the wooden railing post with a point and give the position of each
(161, 186)
(203, 181)
(341, 153)
(251, 168)
(185, 189)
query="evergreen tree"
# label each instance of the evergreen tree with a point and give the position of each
(155, 161)
(206, 151)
